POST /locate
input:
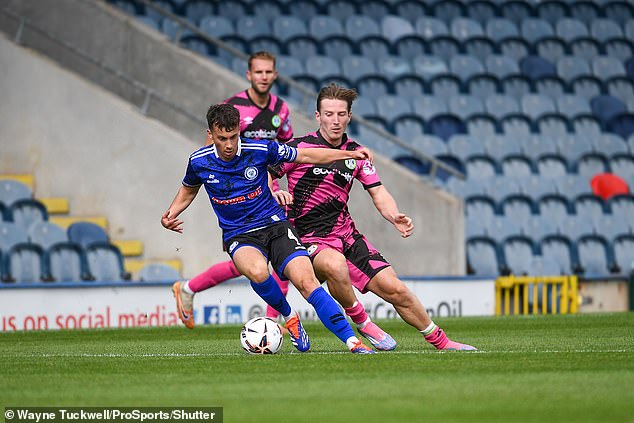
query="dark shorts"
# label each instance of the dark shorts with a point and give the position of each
(364, 261)
(279, 243)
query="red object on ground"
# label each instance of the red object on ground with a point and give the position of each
(606, 185)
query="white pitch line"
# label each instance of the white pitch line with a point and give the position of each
(169, 355)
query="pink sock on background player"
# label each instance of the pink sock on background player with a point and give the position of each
(283, 284)
(216, 274)
(357, 313)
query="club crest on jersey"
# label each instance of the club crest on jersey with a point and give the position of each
(311, 249)
(251, 173)
(351, 164)
(276, 121)
(368, 168)
(233, 246)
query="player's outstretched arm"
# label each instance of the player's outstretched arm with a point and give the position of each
(183, 199)
(327, 155)
(386, 205)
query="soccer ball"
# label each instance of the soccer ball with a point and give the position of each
(261, 335)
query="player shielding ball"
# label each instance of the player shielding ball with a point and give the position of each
(255, 228)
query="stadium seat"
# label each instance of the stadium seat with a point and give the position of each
(410, 10)
(444, 47)
(619, 11)
(195, 10)
(624, 252)
(551, 48)
(479, 47)
(150, 22)
(355, 67)
(409, 126)
(304, 9)
(446, 125)
(447, 10)
(483, 256)
(373, 86)
(533, 29)
(105, 262)
(429, 27)
(359, 26)
(572, 105)
(66, 262)
(500, 186)
(428, 106)
(553, 125)
(604, 29)
(482, 86)
(514, 47)
(266, 43)
(535, 67)
(463, 188)
(394, 27)
(26, 212)
(516, 10)
(474, 226)
(535, 105)
(302, 47)
(569, 29)
(552, 11)
(429, 66)
(267, 9)
(499, 146)
(610, 144)
(572, 147)
(586, 126)
(464, 106)
(287, 27)
(517, 125)
(289, 66)
(538, 226)
(621, 87)
(46, 234)
(456, 163)
(502, 227)
(216, 26)
(374, 9)
(374, 47)
(518, 206)
(341, 9)
(320, 67)
(480, 207)
(590, 206)
(481, 11)
(537, 145)
(591, 163)
(516, 86)
(158, 272)
(428, 144)
(445, 85)
(463, 146)
(518, 252)
(622, 164)
(198, 44)
(587, 86)
(605, 67)
(552, 165)
(322, 26)
(554, 207)
(536, 186)
(482, 125)
(585, 11)
(500, 28)
(465, 66)
(409, 86)
(86, 233)
(622, 207)
(572, 185)
(595, 255)
(550, 86)
(24, 263)
(410, 46)
(463, 28)
(481, 167)
(608, 185)
(561, 249)
(622, 124)
(390, 107)
(232, 9)
(11, 191)
(11, 235)
(515, 165)
(392, 67)
(618, 48)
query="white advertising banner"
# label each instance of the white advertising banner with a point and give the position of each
(69, 306)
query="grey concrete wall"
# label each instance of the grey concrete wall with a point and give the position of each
(83, 118)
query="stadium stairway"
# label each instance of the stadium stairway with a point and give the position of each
(58, 209)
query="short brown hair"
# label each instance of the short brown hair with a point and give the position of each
(337, 92)
(223, 116)
(266, 55)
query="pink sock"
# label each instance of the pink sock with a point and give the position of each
(357, 313)
(437, 338)
(218, 273)
(270, 311)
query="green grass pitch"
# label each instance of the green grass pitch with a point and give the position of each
(575, 368)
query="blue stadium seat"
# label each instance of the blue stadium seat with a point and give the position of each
(150, 21)
(572, 105)
(517, 125)
(537, 145)
(105, 263)
(622, 207)
(518, 206)
(173, 30)
(516, 10)
(446, 125)
(355, 67)
(392, 67)
(479, 47)
(409, 86)
(621, 87)
(618, 11)
(604, 29)
(571, 67)
(591, 163)
(501, 105)
(27, 212)
(24, 263)
(429, 27)
(514, 47)
(390, 107)
(456, 163)
(195, 10)
(411, 10)
(465, 66)
(394, 27)
(86, 234)
(552, 164)
(622, 164)
(267, 9)
(289, 66)
(410, 46)
(502, 227)
(198, 44)
(464, 106)
(474, 226)
(374, 47)
(573, 146)
(516, 86)
(535, 67)
(266, 43)
(463, 28)
(561, 249)
(622, 124)
(585, 11)
(463, 146)
(11, 191)
(587, 86)
(595, 255)
(216, 26)
(429, 106)
(447, 10)
(428, 144)
(536, 105)
(287, 27)
(606, 107)
(515, 165)
(590, 206)
(364, 107)
(322, 26)
(500, 146)
(605, 67)
(610, 144)
(554, 207)
(483, 256)
(304, 9)
(586, 126)
(464, 188)
(552, 10)
(569, 29)
(483, 125)
(585, 48)
(501, 186)
(408, 126)
(533, 29)
(624, 252)
(47, 234)
(232, 9)
(11, 235)
(482, 86)
(158, 272)
(618, 48)
(66, 262)
(575, 226)
(341, 9)
(373, 86)
(481, 10)
(338, 47)
(573, 185)
(480, 207)
(551, 48)
(481, 167)
(444, 46)
(445, 85)
(518, 252)
(428, 66)
(536, 186)
(374, 9)
(302, 47)
(500, 28)
(359, 26)
(538, 226)
(553, 125)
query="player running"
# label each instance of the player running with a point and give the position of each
(320, 213)
(255, 228)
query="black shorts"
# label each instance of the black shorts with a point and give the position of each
(279, 243)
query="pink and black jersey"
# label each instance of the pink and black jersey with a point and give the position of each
(321, 192)
(267, 123)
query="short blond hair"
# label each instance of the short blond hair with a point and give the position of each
(265, 55)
